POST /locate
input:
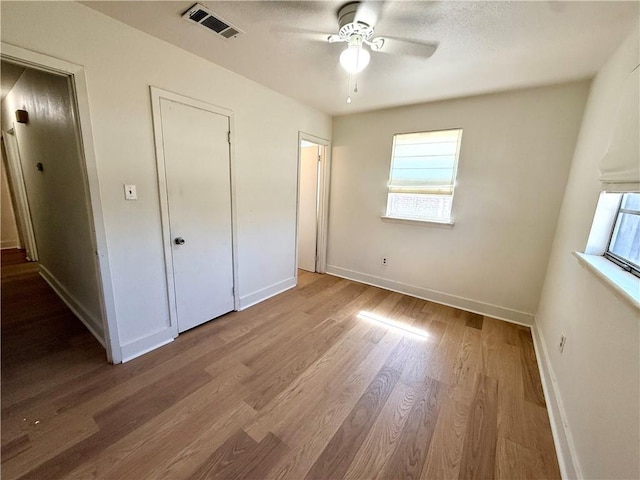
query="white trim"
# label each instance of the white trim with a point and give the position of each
(415, 221)
(562, 437)
(164, 210)
(624, 284)
(94, 203)
(146, 344)
(16, 177)
(94, 207)
(234, 211)
(92, 323)
(156, 95)
(603, 222)
(9, 244)
(474, 306)
(323, 205)
(267, 292)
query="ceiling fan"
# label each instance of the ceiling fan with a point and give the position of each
(356, 23)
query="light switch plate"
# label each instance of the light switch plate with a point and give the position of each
(130, 192)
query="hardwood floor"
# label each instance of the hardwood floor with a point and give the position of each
(315, 383)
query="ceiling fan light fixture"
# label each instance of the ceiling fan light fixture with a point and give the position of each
(354, 58)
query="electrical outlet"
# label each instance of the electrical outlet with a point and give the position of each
(384, 261)
(563, 342)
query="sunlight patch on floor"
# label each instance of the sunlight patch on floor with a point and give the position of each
(394, 325)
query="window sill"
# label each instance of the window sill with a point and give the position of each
(411, 221)
(623, 283)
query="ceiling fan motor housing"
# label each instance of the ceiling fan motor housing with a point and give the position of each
(349, 25)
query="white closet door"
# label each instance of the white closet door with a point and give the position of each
(197, 164)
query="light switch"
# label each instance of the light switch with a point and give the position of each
(130, 192)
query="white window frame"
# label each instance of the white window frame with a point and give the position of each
(624, 263)
(621, 282)
(446, 222)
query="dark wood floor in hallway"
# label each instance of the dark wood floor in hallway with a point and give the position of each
(330, 380)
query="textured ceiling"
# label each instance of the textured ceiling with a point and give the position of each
(482, 46)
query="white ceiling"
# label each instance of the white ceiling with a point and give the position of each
(482, 46)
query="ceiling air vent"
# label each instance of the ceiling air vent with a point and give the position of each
(203, 16)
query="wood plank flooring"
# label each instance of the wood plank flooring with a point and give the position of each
(330, 380)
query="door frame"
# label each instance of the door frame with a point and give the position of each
(156, 95)
(324, 176)
(80, 99)
(19, 191)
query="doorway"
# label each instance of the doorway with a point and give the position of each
(45, 163)
(46, 131)
(11, 235)
(19, 202)
(193, 152)
(313, 170)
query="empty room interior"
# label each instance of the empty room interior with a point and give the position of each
(320, 239)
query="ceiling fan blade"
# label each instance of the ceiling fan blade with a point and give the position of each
(402, 46)
(302, 33)
(370, 11)
(334, 39)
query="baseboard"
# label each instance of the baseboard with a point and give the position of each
(144, 345)
(93, 324)
(267, 292)
(565, 448)
(7, 244)
(494, 311)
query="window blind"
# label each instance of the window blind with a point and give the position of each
(425, 163)
(620, 166)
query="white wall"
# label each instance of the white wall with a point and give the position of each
(515, 155)
(121, 63)
(8, 225)
(57, 195)
(598, 375)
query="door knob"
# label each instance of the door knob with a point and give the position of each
(179, 241)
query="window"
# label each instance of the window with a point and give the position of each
(423, 174)
(624, 246)
(611, 252)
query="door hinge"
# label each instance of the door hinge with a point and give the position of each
(229, 137)
(319, 158)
